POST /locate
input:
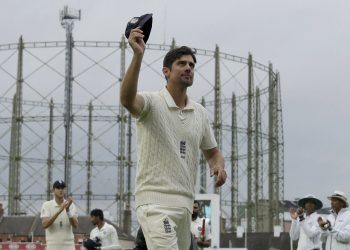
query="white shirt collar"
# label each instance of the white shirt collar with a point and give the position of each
(56, 204)
(171, 103)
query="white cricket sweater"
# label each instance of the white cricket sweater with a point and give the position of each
(168, 143)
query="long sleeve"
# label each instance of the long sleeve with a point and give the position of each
(343, 234)
(294, 230)
(339, 236)
(310, 227)
(111, 241)
(324, 235)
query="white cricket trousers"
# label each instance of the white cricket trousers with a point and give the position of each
(165, 228)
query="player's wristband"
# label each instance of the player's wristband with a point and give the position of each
(69, 214)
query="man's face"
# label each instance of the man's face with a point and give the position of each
(93, 220)
(195, 211)
(336, 204)
(182, 71)
(309, 207)
(59, 192)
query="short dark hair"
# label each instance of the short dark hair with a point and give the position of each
(97, 213)
(176, 53)
(197, 202)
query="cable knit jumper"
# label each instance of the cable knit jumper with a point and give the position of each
(168, 143)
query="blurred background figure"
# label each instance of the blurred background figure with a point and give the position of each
(200, 227)
(336, 228)
(304, 223)
(104, 234)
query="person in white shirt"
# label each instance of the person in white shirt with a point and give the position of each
(58, 217)
(336, 228)
(171, 128)
(103, 233)
(202, 235)
(304, 223)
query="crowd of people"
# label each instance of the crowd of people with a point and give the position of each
(312, 230)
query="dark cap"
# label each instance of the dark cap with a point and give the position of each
(59, 184)
(145, 24)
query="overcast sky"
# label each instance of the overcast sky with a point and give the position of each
(306, 40)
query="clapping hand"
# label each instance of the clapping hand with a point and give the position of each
(323, 224)
(300, 211)
(293, 213)
(67, 203)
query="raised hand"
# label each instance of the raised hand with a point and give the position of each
(136, 41)
(293, 213)
(320, 221)
(300, 211)
(323, 224)
(68, 202)
(221, 175)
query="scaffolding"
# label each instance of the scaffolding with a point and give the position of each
(242, 96)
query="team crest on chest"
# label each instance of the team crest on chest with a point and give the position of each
(183, 149)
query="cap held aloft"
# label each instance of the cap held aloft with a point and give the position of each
(144, 22)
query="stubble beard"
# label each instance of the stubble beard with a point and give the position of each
(187, 83)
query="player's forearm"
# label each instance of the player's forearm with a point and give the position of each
(216, 160)
(72, 218)
(73, 221)
(128, 87)
(49, 221)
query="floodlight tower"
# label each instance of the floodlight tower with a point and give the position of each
(67, 17)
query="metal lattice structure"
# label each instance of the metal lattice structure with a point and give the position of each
(241, 95)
